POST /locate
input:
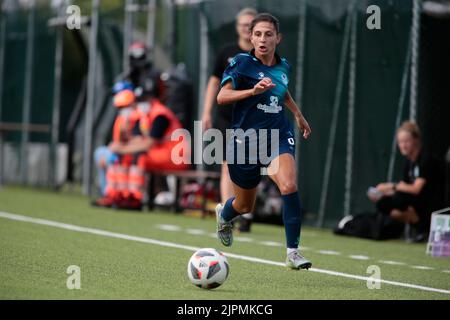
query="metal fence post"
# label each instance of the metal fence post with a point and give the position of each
(59, 34)
(334, 117)
(415, 39)
(90, 103)
(151, 21)
(127, 32)
(26, 109)
(2, 63)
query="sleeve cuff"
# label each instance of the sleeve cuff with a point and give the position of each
(225, 80)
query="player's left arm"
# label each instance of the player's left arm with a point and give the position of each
(412, 188)
(299, 118)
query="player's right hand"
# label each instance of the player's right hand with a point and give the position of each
(262, 86)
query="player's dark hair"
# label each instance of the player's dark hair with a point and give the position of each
(265, 17)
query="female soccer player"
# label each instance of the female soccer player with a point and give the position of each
(257, 84)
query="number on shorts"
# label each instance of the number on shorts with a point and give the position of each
(291, 141)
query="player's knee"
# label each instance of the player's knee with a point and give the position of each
(287, 187)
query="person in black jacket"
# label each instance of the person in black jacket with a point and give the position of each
(419, 192)
(223, 117)
(146, 79)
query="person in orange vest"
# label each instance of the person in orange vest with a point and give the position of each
(112, 167)
(103, 155)
(151, 149)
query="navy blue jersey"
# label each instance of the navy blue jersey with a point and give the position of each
(262, 111)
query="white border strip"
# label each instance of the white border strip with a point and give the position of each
(190, 248)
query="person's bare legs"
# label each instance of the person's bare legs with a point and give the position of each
(408, 216)
(282, 171)
(226, 185)
(244, 200)
(413, 230)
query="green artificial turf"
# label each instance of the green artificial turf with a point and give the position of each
(34, 258)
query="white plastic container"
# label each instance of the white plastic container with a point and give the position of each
(439, 239)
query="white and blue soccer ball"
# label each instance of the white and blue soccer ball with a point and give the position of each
(208, 268)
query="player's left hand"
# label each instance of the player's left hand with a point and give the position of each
(303, 125)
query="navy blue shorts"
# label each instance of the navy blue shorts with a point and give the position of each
(248, 175)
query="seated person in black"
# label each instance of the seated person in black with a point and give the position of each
(413, 199)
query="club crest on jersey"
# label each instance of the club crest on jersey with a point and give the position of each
(260, 75)
(273, 107)
(285, 79)
(231, 61)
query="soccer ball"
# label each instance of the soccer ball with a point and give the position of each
(208, 268)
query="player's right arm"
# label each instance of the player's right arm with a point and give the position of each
(228, 95)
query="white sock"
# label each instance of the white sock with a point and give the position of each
(290, 250)
(247, 216)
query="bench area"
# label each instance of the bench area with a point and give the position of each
(181, 178)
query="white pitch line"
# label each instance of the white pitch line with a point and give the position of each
(329, 252)
(271, 243)
(394, 263)
(110, 234)
(243, 239)
(168, 227)
(422, 267)
(195, 231)
(358, 257)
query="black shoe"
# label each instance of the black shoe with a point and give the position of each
(245, 225)
(414, 233)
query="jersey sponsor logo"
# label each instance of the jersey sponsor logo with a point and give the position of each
(273, 107)
(284, 79)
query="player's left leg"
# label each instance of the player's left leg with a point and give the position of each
(282, 171)
(226, 185)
